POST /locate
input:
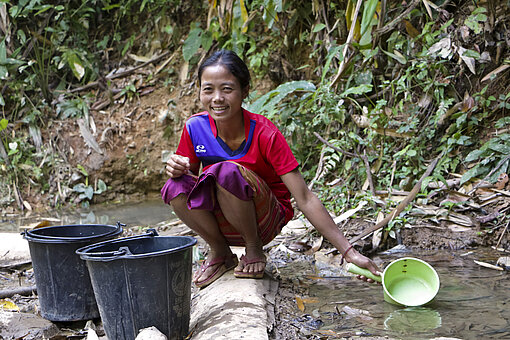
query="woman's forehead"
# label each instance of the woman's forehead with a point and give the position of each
(217, 73)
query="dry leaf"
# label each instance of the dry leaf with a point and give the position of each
(138, 58)
(502, 181)
(493, 73)
(470, 62)
(350, 212)
(300, 304)
(457, 228)
(8, 305)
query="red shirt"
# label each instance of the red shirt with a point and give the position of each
(265, 150)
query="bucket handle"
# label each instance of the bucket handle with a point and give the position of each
(120, 225)
(123, 250)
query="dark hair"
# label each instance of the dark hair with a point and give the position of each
(231, 61)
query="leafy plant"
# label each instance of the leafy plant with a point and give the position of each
(86, 191)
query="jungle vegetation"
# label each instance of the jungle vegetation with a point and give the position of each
(367, 92)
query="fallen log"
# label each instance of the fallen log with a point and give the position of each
(26, 290)
(401, 206)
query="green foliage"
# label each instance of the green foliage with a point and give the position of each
(48, 48)
(86, 191)
(476, 19)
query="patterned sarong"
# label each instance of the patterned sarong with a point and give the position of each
(239, 181)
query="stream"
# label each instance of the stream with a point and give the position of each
(472, 303)
(140, 214)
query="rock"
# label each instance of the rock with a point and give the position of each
(13, 248)
(504, 262)
(151, 333)
(15, 325)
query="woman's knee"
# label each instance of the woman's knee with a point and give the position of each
(179, 202)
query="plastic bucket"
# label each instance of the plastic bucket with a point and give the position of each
(62, 279)
(407, 281)
(142, 281)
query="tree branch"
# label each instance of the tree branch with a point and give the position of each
(402, 204)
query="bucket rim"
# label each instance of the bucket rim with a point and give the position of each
(124, 254)
(403, 303)
(30, 236)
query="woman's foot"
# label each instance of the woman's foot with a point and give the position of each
(213, 268)
(251, 265)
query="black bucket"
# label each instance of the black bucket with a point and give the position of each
(61, 277)
(142, 281)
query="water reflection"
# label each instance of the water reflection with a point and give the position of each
(413, 319)
(146, 213)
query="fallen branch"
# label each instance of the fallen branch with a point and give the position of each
(121, 74)
(7, 293)
(347, 153)
(503, 233)
(402, 204)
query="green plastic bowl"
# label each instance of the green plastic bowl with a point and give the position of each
(407, 281)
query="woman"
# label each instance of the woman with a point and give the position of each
(242, 197)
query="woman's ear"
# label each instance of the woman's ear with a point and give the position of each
(246, 91)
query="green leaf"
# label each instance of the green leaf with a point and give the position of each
(412, 153)
(206, 40)
(80, 187)
(76, 65)
(89, 192)
(82, 170)
(3, 52)
(192, 43)
(397, 56)
(502, 122)
(101, 187)
(364, 88)
(318, 28)
(471, 173)
(504, 149)
(267, 102)
(474, 155)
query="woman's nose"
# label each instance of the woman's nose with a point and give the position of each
(217, 96)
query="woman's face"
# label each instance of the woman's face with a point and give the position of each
(221, 93)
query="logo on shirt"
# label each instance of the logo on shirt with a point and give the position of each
(200, 148)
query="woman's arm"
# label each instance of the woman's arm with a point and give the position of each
(316, 213)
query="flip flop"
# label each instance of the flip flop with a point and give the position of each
(250, 275)
(223, 263)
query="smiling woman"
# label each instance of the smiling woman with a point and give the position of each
(242, 196)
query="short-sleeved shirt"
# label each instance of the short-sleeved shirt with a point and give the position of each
(264, 151)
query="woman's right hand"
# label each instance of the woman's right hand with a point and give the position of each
(177, 165)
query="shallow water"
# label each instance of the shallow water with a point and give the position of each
(472, 303)
(146, 213)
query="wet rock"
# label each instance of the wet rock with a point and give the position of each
(15, 325)
(504, 262)
(151, 333)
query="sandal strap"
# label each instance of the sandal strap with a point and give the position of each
(218, 260)
(245, 260)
